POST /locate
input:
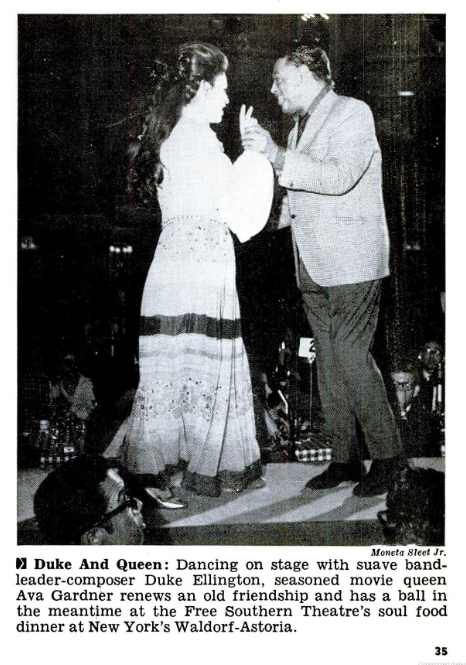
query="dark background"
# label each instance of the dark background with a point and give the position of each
(81, 89)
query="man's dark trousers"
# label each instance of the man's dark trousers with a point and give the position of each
(343, 320)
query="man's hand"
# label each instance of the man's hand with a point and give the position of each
(257, 138)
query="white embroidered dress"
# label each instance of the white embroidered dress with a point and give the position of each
(193, 407)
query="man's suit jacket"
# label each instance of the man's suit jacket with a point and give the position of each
(334, 202)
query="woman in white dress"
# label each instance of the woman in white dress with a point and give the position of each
(193, 409)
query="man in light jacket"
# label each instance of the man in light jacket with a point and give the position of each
(331, 169)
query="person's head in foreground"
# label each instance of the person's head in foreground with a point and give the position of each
(85, 501)
(415, 510)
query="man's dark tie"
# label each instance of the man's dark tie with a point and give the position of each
(301, 125)
(304, 118)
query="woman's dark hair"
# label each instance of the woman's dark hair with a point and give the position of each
(176, 84)
(315, 59)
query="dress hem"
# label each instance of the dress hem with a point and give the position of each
(212, 486)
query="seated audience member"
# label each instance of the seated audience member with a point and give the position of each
(85, 501)
(430, 360)
(72, 402)
(405, 385)
(430, 357)
(73, 393)
(418, 429)
(432, 386)
(415, 508)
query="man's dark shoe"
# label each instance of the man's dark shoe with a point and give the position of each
(379, 478)
(337, 473)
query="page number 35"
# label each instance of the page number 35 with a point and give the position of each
(441, 651)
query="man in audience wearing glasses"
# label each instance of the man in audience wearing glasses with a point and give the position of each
(85, 501)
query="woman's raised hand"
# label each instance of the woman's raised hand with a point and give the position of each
(255, 137)
(246, 121)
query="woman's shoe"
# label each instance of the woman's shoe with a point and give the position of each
(237, 487)
(257, 484)
(164, 499)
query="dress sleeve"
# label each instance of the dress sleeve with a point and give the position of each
(250, 195)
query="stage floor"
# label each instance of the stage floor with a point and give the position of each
(284, 512)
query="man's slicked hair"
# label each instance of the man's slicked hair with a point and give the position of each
(315, 59)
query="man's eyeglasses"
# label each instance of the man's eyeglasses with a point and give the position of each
(403, 385)
(128, 502)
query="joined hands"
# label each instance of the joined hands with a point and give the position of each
(255, 137)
